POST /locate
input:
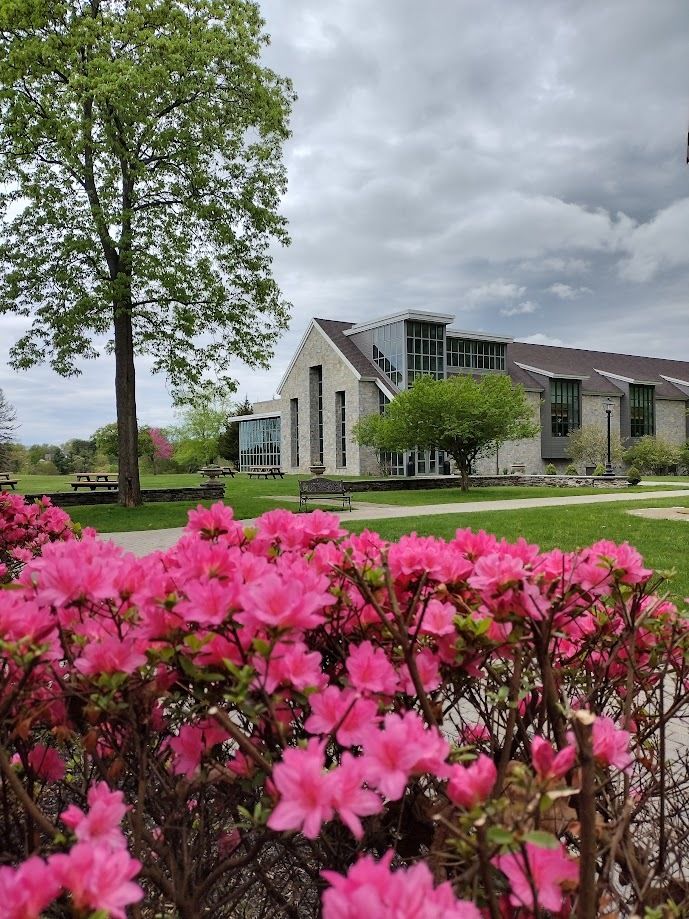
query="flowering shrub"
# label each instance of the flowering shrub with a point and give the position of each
(289, 719)
(25, 529)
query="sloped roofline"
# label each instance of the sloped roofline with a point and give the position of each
(315, 325)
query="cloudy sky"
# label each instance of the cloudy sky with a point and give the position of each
(517, 163)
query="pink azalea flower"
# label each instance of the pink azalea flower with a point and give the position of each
(403, 747)
(47, 763)
(290, 663)
(548, 764)
(305, 790)
(546, 869)
(438, 618)
(428, 667)
(349, 800)
(370, 670)
(102, 822)
(475, 733)
(371, 889)
(25, 891)
(278, 603)
(111, 654)
(99, 878)
(210, 601)
(611, 744)
(191, 743)
(471, 785)
(341, 708)
(211, 522)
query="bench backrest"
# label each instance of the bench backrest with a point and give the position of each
(321, 487)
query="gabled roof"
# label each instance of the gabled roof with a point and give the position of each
(363, 368)
(599, 371)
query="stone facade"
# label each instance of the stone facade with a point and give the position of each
(671, 421)
(525, 452)
(361, 398)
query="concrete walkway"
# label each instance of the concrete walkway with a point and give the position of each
(143, 542)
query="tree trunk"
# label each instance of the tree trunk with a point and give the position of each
(125, 397)
(463, 467)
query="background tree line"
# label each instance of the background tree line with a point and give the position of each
(202, 434)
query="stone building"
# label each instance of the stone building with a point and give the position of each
(342, 371)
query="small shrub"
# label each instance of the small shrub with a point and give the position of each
(599, 470)
(571, 470)
(550, 469)
(633, 475)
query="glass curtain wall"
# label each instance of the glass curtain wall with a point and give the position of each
(425, 350)
(641, 410)
(259, 442)
(564, 407)
(388, 351)
(466, 354)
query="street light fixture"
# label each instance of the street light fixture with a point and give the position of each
(607, 405)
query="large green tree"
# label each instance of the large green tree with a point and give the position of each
(140, 176)
(462, 416)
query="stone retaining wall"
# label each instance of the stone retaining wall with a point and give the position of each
(82, 496)
(418, 483)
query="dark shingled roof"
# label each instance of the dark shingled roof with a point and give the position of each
(334, 329)
(574, 362)
(578, 362)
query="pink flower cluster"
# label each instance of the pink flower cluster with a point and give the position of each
(97, 871)
(25, 529)
(318, 668)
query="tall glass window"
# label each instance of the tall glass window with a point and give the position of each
(564, 406)
(316, 413)
(390, 463)
(425, 350)
(294, 430)
(340, 429)
(259, 443)
(467, 354)
(388, 351)
(641, 410)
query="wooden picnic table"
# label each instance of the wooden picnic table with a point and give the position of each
(95, 476)
(263, 472)
(214, 472)
(6, 480)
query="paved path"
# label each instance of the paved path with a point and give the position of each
(148, 540)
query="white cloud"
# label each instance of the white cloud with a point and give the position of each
(566, 292)
(660, 243)
(495, 290)
(538, 338)
(521, 309)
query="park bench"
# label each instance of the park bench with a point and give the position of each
(323, 488)
(6, 480)
(264, 472)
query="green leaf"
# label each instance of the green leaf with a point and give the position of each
(499, 836)
(542, 839)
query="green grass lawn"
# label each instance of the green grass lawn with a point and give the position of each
(663, 543)
(251, 497)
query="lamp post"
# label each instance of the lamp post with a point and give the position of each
(608, 404)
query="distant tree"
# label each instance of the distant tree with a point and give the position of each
(589, 445)
(107, 441)
(462, 416)
(157, 447)
(684, 457)
(228, 442)
(8, 426)
(61, 461)
(81, 454)
(653, 454)
(140, 176)
(202, 419)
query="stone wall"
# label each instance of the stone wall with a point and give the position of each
(398, 483)
(671, 421)
(215, 492)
